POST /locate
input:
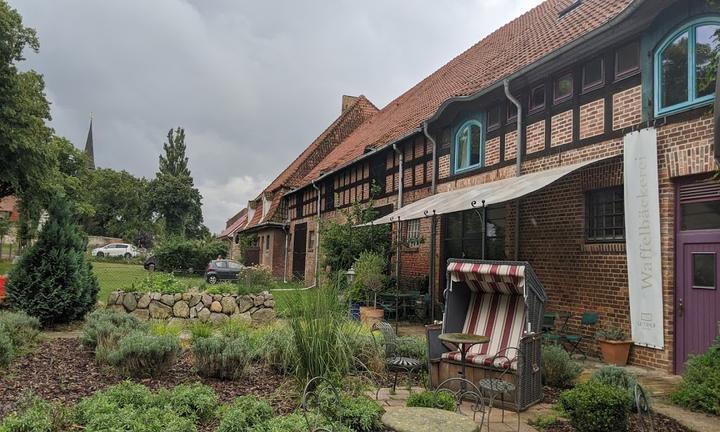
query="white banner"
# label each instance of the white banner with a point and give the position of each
(642, 238)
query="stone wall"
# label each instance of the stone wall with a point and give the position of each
(191, 305)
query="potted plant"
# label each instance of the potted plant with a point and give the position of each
(614, 345)
(370, 280)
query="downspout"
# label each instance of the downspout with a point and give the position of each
(317, 237)
(286, 227)
(401, 172)
(433, 187)
(433, 190)
(518, 161)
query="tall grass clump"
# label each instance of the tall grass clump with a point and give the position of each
(321, 346)
(142, 355)
(104, 329)
(221, 357)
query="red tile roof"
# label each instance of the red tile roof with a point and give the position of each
(236, 225)
(516, 45)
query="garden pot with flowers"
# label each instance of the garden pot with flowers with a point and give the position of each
(614, 345)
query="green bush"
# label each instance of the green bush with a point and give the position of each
(165, 328)
(244, 413)
(256, 276)
(7, 350)
(36, 415)
(596, 407)
(165, 283)
(290, 423)
(360, 414)
(21, 328)
(442, 400)
(177, 253)
(200, 329)
(133, 407)
(274, 345)
(141, 355)
(617, 376)
(102, 320)
(544, 421)
(194, 401)
(221, 357)
(558, 369)
(235, 328)
(370, 278)
(700, 387)
(52, 281)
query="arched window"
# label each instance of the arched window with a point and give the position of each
(683, 78)
(469, 146)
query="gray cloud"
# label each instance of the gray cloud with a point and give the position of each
(252, 82)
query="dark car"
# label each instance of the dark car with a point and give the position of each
(223, 270)
(150, 264)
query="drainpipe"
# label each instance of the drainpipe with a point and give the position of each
(317, 236)
(401, 173)
(433, 188)
(286, 227)
(518, 162)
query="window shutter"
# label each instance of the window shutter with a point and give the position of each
(700, 191)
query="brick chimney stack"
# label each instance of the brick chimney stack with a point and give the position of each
(347, 101)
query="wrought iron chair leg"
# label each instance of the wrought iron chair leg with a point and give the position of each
(395, 381)
(502, 407)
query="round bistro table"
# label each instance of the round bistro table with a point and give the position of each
(415, 419)
(464, 341)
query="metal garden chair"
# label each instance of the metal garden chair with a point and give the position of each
(462, 389)
(322, 398)
(494, 387)
(642, 405)
(394, 362)
(587, 321)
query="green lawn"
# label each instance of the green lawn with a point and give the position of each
(119, 276)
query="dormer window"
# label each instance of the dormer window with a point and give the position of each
(683, 78)
(469, 146)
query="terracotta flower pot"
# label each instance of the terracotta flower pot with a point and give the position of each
(615, 352)
(370, 315)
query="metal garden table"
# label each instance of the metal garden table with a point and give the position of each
(464, 341)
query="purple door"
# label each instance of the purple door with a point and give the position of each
(697, 299)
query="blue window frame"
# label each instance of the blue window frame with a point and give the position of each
(469, 146)
(681, 65)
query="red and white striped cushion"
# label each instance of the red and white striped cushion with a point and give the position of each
(490, 278)
(501, 317)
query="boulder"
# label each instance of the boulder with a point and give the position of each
(207, 299)
(228, 305)
(203, 314)
(117, 308)
(168, 299)
(176, 322)
(264, 316)
(193, 312)
(143, 314)
(194, 299)
(218, 318)
(129, 302)
(269, 303)
(216, 307)
(244, 303)
(243, 317)
(159, 310)
(177, 296)
(144, 301)
(186, 296)
(181, 309)
(217, 297)
(112, 298)
(258, 300)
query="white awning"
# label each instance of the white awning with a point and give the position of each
(496, 192)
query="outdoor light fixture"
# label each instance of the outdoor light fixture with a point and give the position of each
(350, 275)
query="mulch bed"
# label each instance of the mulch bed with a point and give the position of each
(637, 423)
(62, 370)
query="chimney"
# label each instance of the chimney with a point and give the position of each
(347, 101)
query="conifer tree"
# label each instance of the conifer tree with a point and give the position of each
(173, 193)
(53, 281)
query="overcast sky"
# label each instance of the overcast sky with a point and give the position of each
(252, 82)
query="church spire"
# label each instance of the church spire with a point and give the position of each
(89, 146)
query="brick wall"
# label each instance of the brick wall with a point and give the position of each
(627, 108)
(562, 128)
(510, 145)
(592, 119)
(535, 137)
(492, 151)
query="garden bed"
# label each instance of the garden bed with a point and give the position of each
(62, 370)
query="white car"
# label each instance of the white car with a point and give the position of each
(116, 250)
